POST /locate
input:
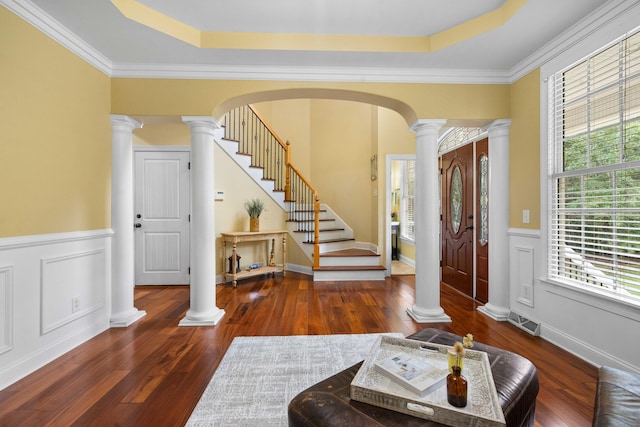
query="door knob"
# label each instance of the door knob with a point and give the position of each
(469, 227)
(137, 225)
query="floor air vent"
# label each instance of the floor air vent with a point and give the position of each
(523, 323)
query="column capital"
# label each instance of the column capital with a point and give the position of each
(421, 126)
(204, 124)
(500, 126)
(124, 122)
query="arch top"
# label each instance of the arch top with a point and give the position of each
(400, 107)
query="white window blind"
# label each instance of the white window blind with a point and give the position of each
(594, 171)
(407, 203)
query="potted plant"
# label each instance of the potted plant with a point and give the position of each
(254, 208)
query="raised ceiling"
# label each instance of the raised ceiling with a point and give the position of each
(371, 40)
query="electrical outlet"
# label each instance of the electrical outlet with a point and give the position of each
(75, 304)
(525, 216)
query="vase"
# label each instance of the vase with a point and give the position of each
(456, 388)
(254, 224)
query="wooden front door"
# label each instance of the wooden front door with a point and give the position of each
(482, 220)
(162, 205)
(457, 219)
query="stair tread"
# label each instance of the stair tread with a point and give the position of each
(311, 220)
(330, 241)
(352, 252)
(321, 230)
(350, 268)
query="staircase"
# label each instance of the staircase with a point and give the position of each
(322, 235)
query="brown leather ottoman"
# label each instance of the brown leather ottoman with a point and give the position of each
(328, 403)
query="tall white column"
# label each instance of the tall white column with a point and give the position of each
(427, 224)
(498, 305)
(123, 313)
(202, 310)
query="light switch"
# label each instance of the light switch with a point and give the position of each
(525, 216)
(219, 195)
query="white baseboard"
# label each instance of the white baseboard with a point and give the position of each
(583, 350)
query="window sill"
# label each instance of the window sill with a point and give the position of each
(592, 297)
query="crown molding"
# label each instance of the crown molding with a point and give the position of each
(35, 16)
(606, 13)
(296, 73)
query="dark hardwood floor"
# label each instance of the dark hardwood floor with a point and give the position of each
(153, 372)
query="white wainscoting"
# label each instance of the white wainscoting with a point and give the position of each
(597, 329)
(55, 293)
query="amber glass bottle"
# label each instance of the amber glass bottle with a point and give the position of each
(456, 388)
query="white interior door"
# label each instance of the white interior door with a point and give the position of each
(161, 224)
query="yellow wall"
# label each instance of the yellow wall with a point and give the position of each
(56, 136)
(340, 161)
(525, 151)
(291, 121)
(55, 121)
(165, 97)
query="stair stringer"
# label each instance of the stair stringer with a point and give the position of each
(244, 161)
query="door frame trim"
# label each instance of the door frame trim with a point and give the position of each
(387, 214)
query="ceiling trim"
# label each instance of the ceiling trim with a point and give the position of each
(35, 16)
(611, 10)
(324, 74)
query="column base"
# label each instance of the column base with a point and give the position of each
(500, 314)
(209, 319)
(123, 320)
(422, 315)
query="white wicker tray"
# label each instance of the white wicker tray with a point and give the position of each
(483, 407)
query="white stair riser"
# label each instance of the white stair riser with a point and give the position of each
(327, 276)
(345, 261)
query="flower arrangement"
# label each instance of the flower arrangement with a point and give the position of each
(457, 352)
(254, 207)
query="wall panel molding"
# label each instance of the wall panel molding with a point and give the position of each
(59, 289)
(6, 309)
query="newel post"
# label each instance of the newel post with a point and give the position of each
(287, 167)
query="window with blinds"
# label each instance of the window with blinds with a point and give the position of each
(594, 171)
(407, 203)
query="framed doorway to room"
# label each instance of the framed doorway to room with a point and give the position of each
(399, 222)
(464, 218)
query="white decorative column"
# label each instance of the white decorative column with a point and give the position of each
(427, 225)
(202, 310)
(123, 313)
(498, 305)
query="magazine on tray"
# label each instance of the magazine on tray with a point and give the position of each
(416, 374)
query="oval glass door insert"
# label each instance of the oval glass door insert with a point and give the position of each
(456, 199)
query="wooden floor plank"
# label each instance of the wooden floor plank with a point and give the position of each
(154, 371)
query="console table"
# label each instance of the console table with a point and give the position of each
(269, 266)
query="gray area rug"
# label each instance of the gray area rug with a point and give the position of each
(258, 376)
